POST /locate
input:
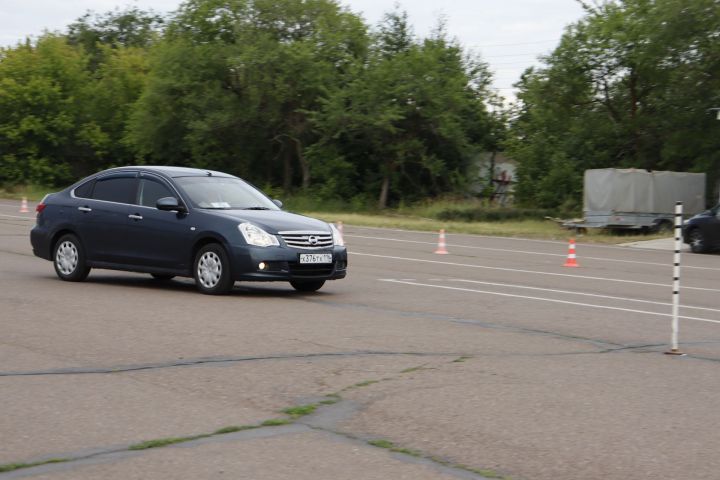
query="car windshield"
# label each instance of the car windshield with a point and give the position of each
(224, 193)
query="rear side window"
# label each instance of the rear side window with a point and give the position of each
(84, 190)
(115, 189)
(152, 190)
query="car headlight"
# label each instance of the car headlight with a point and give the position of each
(255, 235)
(337, 236)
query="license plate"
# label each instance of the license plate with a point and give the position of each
(316, 258)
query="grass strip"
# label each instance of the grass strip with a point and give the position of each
(301, 410)
(532, 229)
(9, 467)
(276, 422)
(365, 383)
(164, 442)
(234, 428)
(388, 445)
(413, 369)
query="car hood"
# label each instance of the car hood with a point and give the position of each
(706, 213)
(274, 221)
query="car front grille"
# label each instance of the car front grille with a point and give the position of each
(309, 240)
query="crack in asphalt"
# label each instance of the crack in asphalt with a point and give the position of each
(325, 419)
(230, 360)
(71, 461)
(604, 346)
(211, 360)
(610, 348)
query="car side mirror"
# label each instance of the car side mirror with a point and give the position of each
(277, 202)
(169, 204)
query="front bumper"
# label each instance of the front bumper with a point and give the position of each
(282, 264)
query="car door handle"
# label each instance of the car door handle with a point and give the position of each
(135, 217)
(85, 209)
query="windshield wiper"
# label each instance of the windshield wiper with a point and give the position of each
(256, 208)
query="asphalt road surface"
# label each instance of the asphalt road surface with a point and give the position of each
(494, 361)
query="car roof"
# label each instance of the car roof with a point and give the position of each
(171, 171)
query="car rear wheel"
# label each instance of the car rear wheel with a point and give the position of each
(69, 259)
(307, 285)
(211, 270)
(697, 241)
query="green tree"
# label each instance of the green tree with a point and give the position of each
(46, 133)
(241, 77)
(410, 116)
(130, 27)
(628, 86)
(117, 84)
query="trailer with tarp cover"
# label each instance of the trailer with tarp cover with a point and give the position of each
(638, 199)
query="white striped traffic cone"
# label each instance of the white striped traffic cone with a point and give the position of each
(24, 206)
(339, 227)
(571, 259)
(442, 246)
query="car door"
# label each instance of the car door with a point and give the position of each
(102, 218)
(159, 239)
(711, 228)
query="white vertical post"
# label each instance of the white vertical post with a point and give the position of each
(676, 279)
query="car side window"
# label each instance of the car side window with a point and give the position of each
(115, 189)
(84, 190)
(151, 191)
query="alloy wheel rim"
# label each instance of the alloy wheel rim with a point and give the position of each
(67, 258)
(209, 269)
(696, 239)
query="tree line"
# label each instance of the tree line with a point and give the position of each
(306, 97)
(302, 96)
(631, 85)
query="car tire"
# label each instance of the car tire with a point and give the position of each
(161, 277)
(211, 270)
(69, 259)
(697, 241)
(307, 285)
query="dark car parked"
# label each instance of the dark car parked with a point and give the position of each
(173, 221)
(702, 232)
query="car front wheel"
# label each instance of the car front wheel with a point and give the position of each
(307, 285)
(69, 259)
(697, 241)
(211, 270)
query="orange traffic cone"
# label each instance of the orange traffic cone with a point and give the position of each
(571, 260)
(441, 248)
(24, 206)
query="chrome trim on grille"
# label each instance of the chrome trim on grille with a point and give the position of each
(307, 240)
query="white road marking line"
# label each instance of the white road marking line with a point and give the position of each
(570, 292)
(585, 277)
(551, 300)
(452, 245)
(17, 216)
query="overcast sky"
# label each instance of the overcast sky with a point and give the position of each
(508, 34)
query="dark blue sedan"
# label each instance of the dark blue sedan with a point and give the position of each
(702, 232)
(173, 221)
